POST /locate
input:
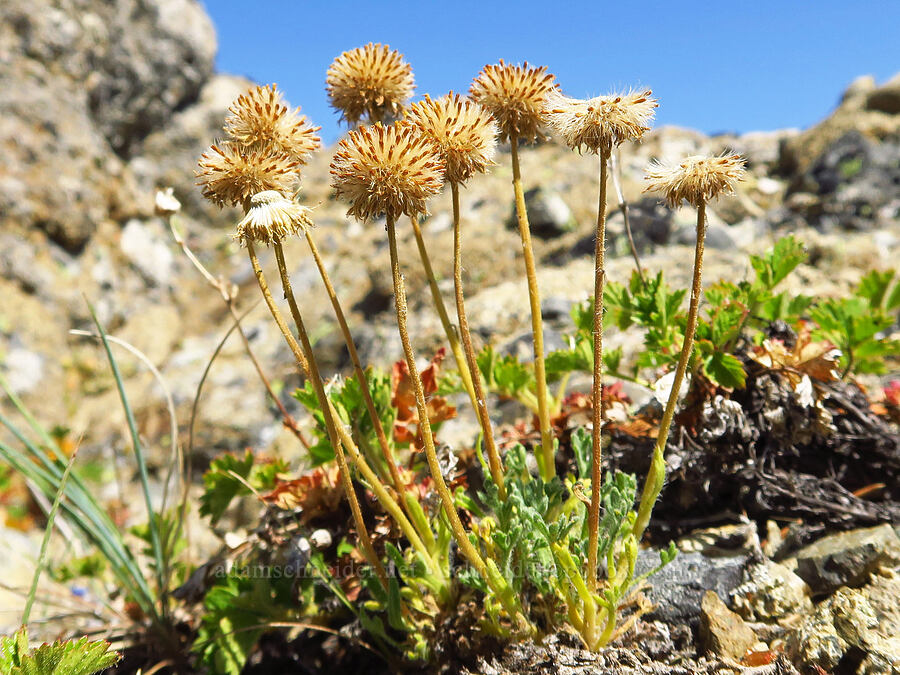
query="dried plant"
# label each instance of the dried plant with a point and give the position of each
(387, 171)
(271, 218)
(599, 124)
(398, 185)
(231, 174)
(372, 82)
(516, 97)
(696, 180)
(260, 119)
(465, 136)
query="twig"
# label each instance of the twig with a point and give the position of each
(623, 206)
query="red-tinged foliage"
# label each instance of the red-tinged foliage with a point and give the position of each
(406, 426)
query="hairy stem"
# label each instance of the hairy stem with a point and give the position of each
(357, 366)
(546, 458)
(481, 410)
(452, 337)
(623, 206)
(657, 473)
(312, 370)
(497, 584)
(597, 388)
(384, 498)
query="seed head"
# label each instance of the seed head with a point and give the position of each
(230, 174)
(602, 122)
(390, 170)
(697, 179)
(515, 96)
(373, 81)
(259, 118)
(462, 130)
(272, 217)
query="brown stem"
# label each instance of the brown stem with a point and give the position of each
(324, 404)
(657, 474)
(229, 297)
(357, 367)
(481, 410)
(449, 330)
(384, 498)
(623, 206)
(597, 388)
(546, 459)
(459, 532)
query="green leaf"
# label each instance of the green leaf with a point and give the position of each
(582, 448)
(874, 286)
(725, 369)
(773, 266)
(71, 657)
(221, 486)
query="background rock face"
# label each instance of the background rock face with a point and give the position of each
(104, 102)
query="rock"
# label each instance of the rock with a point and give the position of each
(169, 154)
(24, 370)
(855, 112)
(845, 632)
(678, 588)
(856, 183)
(651, 226)
(770, 592)
(146, 246)
(722, 631)
(548, 214)
(886, 98)
(847, 558)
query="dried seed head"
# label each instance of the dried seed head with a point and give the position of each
(272, 217)
(372, 81)
(697, 179)
(390, 170)
(462, 130)
(602, 122)
(230, 174)
(260, 119)
(515, 96)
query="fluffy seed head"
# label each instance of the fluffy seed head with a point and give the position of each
(515, 96)
(272, 217)
(602, 122)
(697, 179)
(390, 170)
(259, 118)
(372, 81)
(462, 130)
(230, 174)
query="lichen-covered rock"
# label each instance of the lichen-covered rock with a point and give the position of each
(770, 592)
(845, 629)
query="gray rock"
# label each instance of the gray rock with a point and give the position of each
(678, 588)
(847, 558)
(548, 214)
(147, 248)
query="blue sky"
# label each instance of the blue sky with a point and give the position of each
(725, 65)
